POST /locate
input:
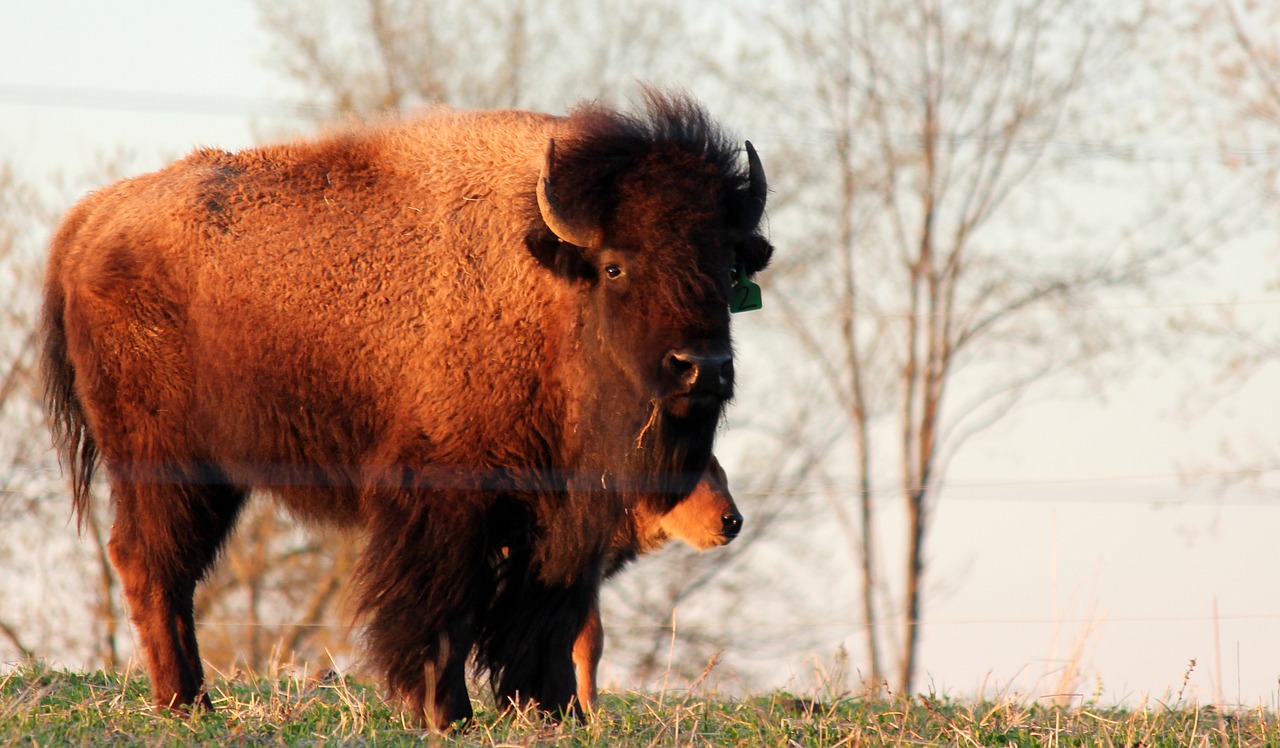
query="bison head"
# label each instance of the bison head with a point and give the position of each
(653, 218)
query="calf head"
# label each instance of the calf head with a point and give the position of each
(705, 519)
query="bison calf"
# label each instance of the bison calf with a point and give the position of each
(706, 519)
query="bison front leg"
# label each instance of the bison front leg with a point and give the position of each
(431, 683)
(529, 641)
(420, 580)
(547, 676)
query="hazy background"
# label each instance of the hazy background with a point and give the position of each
(1098, 521)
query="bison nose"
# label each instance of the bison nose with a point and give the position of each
(732, 525)
(701, 373)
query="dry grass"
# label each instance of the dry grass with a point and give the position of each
(40, 706)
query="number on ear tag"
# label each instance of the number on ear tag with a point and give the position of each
(745, 295)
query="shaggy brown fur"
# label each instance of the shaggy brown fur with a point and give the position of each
(708, 518)
(379, 327)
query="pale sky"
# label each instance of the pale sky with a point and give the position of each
(1072, 511)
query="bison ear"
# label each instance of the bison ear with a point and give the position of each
(754, 253)
(569, 228)
(564, 260)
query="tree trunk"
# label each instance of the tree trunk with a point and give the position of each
(106, 596)
(915, 577)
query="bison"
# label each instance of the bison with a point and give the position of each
(481, 337)
(706, 519)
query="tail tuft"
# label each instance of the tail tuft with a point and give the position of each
(77, 451)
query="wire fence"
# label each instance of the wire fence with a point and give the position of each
(851, 625)
(959, 491)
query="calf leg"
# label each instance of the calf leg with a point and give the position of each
(587, 650)
(166, 535)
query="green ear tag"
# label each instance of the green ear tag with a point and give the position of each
(745, 295)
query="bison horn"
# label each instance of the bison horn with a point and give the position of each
(566, 230)
(758, 189)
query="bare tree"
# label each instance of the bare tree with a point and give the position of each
(936, 273)
(18, 204)
(33, 509)
(380, 55)
(276, 595)
(30, 515)
(1241, 64)
(1232, 54)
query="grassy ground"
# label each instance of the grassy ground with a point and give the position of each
(39, 706)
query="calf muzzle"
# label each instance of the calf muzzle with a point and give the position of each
(731, 525)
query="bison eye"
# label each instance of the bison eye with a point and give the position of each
(612, 271)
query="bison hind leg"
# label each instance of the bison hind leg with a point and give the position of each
(166, 535)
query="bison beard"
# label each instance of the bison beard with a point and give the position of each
(391, 327)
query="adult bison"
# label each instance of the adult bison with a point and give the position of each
(480, 336)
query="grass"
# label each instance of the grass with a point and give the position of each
(42, 706)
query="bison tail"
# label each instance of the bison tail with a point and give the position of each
(77, 451)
